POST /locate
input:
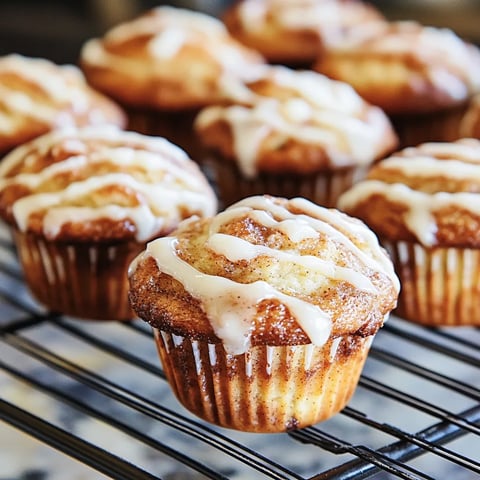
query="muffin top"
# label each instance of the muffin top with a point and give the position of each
(101, 184)
(405, 67)
(37, 96)
(428, 194)
(265, 271)
(295, 121)
(168, 58)
(295, 31)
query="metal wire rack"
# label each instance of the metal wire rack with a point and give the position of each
(105, 402)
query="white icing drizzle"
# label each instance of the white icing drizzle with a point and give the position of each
(231, 306)
(163, 17)
(347, 138)
(172, 182)
(428, 166)
(448, 57)
(458, 161)
(60, 83)
(327, 222)
(296, 229)
(149, 162)
(319, 90)
(62, 89)
(168, 43)
(18, 105)
(75, 137)
(144, 216)
(169, 30)
(421, 206)
(465, 150)
(311, 15)
(236, 249)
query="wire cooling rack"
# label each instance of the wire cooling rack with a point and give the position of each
(95, 391)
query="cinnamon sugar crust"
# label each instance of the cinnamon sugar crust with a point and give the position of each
(427, 194)
(271, 259)
(37, 96)
(295, 33)
(405, 67)
(290, 121)
(274, 155)
(167, 58)
(101, 185)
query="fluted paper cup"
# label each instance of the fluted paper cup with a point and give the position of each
(323, 187)
(78, 279)
(440, 286)
(266, 389)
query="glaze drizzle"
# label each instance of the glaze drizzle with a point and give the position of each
(231, 306)
(159, 180)
(457, 161)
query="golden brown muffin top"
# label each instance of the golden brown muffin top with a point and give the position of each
(265, 271)
(37, 96)
(405, 67)
(428, 194)
(288, 120)
(297, 31)
(167, 58)
(101, 184)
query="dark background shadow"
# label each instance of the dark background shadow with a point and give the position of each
(57, 29)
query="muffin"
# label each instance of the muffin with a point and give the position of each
(295, 33)
(37, 96)
(82, 203)
(418, 75)
(423, 204)
(165, 65)
(264, 314)
(292, 133)
(466, 124)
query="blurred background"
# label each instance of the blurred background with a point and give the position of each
(56, 29)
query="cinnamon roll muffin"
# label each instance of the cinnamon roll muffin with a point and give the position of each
(423, 203)
(37, 96)
(295, 33)
(292, 133)
(163, 66)
(419, 75)
(264, 314)
(81, 203)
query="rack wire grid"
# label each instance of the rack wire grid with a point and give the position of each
(95, 391)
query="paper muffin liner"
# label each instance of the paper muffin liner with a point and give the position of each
(78, 279)
(443, 126)
(266, 389)
(440, 286)
(175, 126)
(322, 188)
